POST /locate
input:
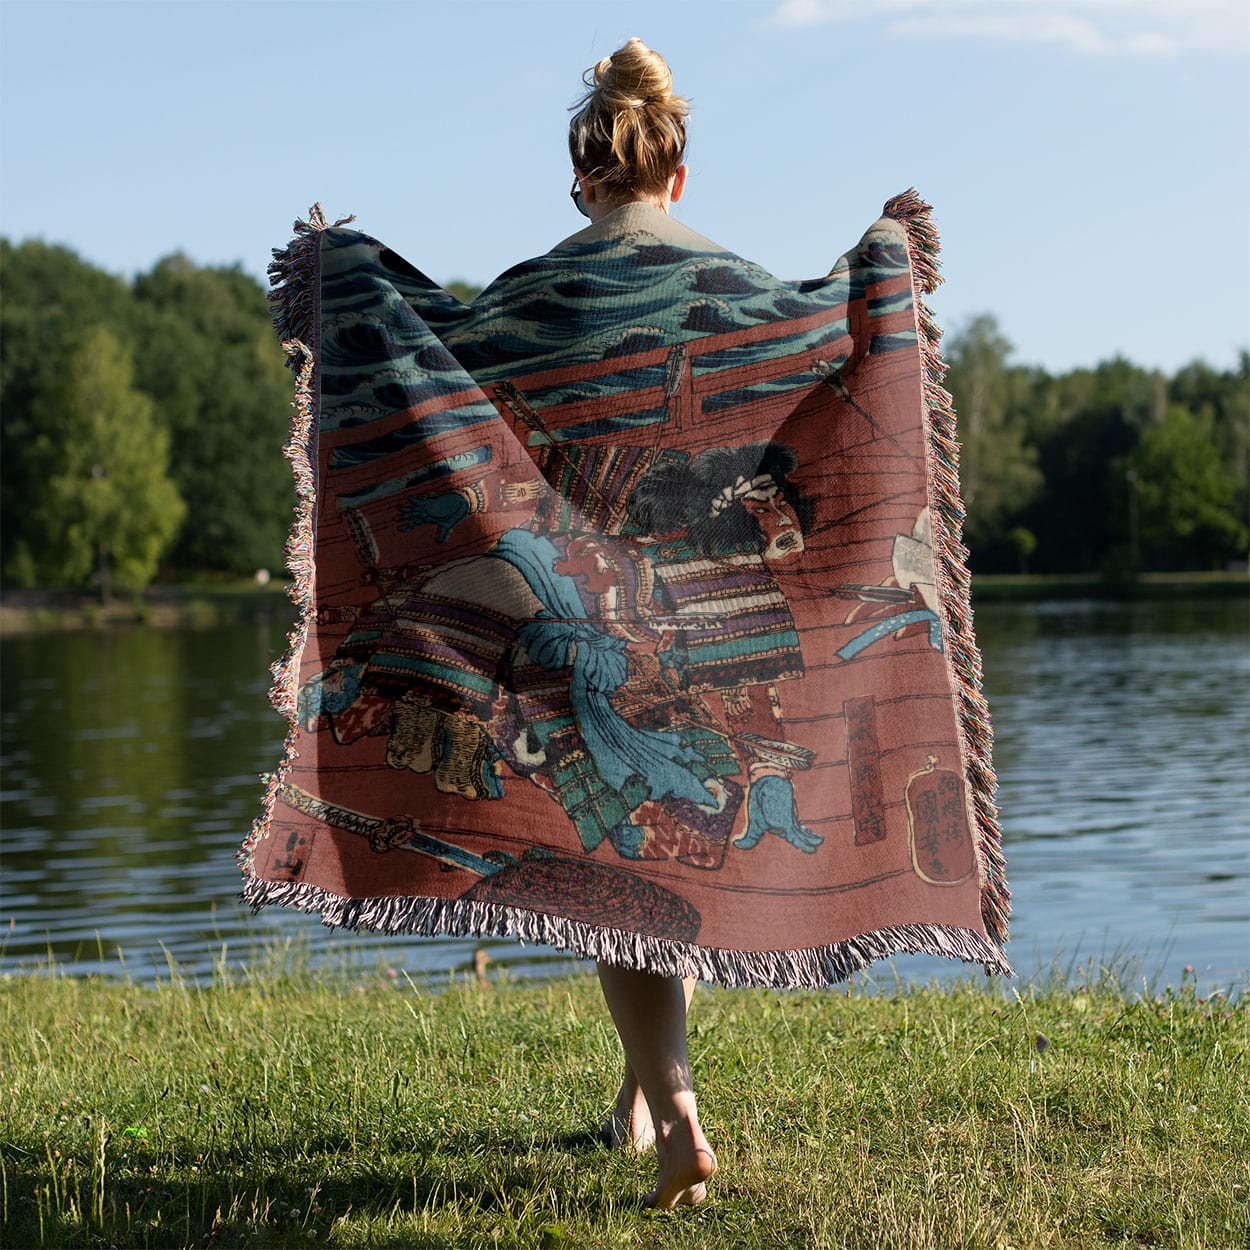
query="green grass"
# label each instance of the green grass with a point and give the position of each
(291, 1109)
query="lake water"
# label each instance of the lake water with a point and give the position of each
(130, 761)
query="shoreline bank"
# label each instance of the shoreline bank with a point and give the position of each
(202, 605)
(191, 604)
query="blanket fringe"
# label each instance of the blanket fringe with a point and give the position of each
(295, 276)
(951, 558)
(812, 968)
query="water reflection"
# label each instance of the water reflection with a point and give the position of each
(131, 757)
(1122, 732)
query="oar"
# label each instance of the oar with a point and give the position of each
(580, 890)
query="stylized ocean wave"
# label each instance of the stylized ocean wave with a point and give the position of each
(747, 353)
(431, 358)
(363, 339)
(760, 390)
(884, 254)
(879, 305)
(367, 347)
(720, 278)
(582, 286)
(635, 339)
(581, 304)
(597, 387)
(815, 287)
(657, 255)
(413, 434)
(891, 342)
(388, 389)
(400, 395)
(401, 269)
(342, 415)
(710, 316)
(623, 423)
(489, 357)
(431, 472)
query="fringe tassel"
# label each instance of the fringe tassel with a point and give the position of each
(293, 302)
(813, 968)
(294, 278)
(951, 558)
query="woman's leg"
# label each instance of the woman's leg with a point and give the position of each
(629, 1124)
(650, 1015)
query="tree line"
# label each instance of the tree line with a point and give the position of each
(1113, 470)
(143, 423)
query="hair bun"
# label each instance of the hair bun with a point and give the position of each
(633, 77)
(629, 130)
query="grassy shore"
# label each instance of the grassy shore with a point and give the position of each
(294, 1110)
(193, 603)
(1010, 587)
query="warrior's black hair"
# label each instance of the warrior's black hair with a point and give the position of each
(680, 496)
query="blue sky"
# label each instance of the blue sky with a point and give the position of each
(1089, 160)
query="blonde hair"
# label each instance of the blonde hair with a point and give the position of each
(629, 131)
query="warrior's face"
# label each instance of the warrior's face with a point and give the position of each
(589, 561)
(776, 518)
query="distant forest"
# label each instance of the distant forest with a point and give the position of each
(143, 423)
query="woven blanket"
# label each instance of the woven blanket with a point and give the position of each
(634, 618)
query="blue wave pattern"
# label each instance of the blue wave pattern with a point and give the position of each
(378, 356)
(393, 334)
(586, 302)
(392, 339)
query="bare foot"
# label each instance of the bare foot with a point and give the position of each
(629, 1126)
(686, 1165)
